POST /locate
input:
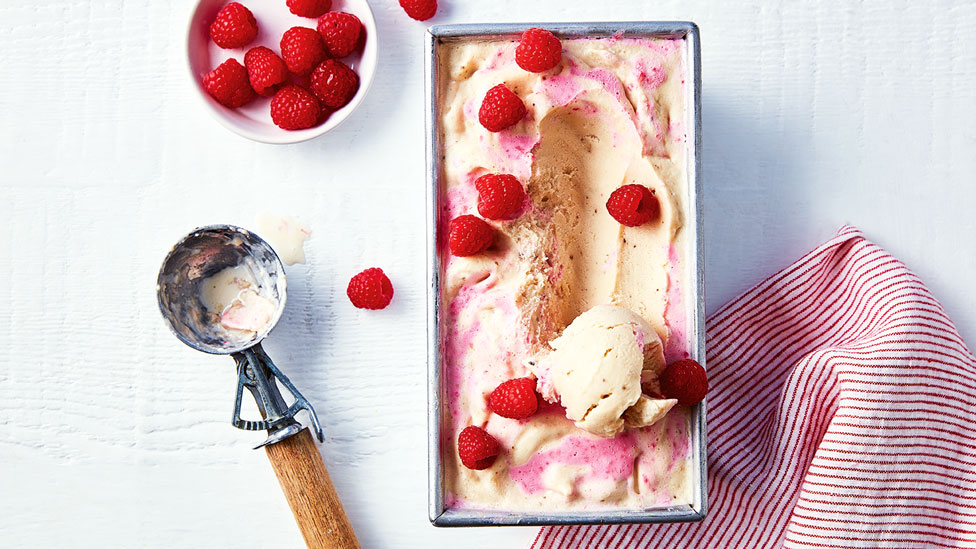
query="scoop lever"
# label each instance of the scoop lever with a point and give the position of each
(258, 374)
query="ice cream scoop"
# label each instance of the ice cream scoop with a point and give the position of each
(596, 366)
(205, 275)
(221, 290)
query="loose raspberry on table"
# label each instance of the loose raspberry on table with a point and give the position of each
(334, 83)
(234, 26)
(514, 399)
(539, 50)
(684, 380)
(309, 8)
(468, 235)
(228, 84)
(421, 10)
(302, 49)
(265, 70)
(500, 196)
(295, 108)
(500, 109)
(633, 205)
(370, 289)
(476, 448)
(341, 32)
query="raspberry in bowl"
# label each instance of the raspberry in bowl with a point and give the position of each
(222, 30)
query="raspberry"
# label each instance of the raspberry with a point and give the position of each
(468, 235)
(500, 196)
(684, 380)
(341, 33)
(334, 83)
(538, 51)
(309, 8)
(295, 108)
(633, 205)
(228, 84)
(476, 448)
(265, 70)
(515, 398)
(234, 26)
(302, 49)
(370, 289)
(500, 109)
(421, 10)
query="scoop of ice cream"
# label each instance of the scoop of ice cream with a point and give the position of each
(596, 365)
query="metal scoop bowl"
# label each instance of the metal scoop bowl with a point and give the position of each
(201, 254)
(291, 449)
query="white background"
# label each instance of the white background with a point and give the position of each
(114, 434)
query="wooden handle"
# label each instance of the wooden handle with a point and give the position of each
(310, 494)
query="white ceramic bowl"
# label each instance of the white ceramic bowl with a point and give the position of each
(253, 120)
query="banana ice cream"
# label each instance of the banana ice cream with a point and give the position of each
(596, 366)
(566, 294)
(234, 302)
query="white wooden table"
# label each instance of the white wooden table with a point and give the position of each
(113, 434)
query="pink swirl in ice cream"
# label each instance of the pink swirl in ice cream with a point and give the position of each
(611, 114)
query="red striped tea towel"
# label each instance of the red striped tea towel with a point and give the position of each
(842, 413)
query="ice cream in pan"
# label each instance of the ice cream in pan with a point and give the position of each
(560, 228)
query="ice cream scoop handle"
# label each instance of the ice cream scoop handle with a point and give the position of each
(310, 493)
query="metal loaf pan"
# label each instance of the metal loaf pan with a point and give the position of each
(694, 298)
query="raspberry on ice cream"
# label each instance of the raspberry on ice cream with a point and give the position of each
(469, 235)
(684, 380)
(476, 448)
(500, 109)
(514, 399)
(633, 205)
(500, 196)
(539, 50)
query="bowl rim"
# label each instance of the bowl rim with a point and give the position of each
(280, 137)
